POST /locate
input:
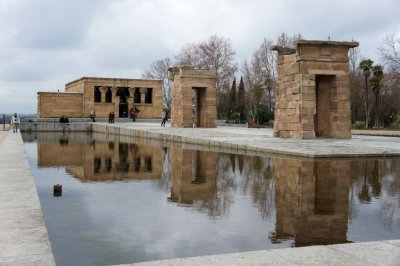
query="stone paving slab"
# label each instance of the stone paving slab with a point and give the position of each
(260, 140)
(366, 253)
(24, 238)
(376, 132)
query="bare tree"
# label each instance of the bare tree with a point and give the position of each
(159, 70)
(355, 84)
(390, 51)
(261, 71)
(285, 40)
(215, 53)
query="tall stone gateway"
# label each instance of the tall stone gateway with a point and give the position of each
(312, 90)
(193, 97)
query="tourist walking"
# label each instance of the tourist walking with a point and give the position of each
(15, 121)
(164, 118)
(110, 118)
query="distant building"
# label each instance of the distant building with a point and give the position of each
(102, 96)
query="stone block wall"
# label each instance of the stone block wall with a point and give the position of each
(312, 90)
(185, 80)
(56, 104)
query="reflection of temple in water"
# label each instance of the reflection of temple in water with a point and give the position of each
(193, 176)
(311, 201)
(100, 160)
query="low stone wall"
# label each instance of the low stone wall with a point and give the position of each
(55, 126)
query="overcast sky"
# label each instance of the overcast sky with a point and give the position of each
(47, 43)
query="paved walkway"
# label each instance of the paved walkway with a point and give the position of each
(234, 139)
(381, 253)
(23, 234)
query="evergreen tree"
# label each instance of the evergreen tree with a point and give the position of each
(232, 99)
(240, 100)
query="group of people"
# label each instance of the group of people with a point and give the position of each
(64, 121)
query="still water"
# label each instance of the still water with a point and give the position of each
(126, 200)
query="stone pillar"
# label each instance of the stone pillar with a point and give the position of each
(131, 98)
(142, 95)
(103, 94)
(115, 100)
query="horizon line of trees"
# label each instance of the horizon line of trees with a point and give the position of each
(374, 88)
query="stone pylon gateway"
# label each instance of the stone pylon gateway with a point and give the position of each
(312, 90)
(194, 101)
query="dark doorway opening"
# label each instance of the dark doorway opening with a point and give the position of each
(137, 98)
(108, 95)
(123, 94)
(97, 94)
(325, 104)
(198, 106)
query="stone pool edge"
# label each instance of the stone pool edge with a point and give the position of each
(148, 131)
(25, 240)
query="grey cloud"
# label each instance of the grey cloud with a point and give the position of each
(48, 24)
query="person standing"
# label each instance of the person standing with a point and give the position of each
(164, 118)
(15, 121)
(133, 113)
(93, 116)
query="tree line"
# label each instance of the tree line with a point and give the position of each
(246, 91)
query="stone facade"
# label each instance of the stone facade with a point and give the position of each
(102, 96)
(193, 97)
(312, 90)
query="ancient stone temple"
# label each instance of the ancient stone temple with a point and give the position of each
(193, 97)
(102, 96)
(312, 90)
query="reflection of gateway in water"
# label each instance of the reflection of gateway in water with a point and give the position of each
(311, 201)
(193, 176)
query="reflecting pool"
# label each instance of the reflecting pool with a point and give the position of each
(127, 200)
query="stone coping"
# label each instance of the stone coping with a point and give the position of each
(362, 254)
(24, 238)
(259, 141)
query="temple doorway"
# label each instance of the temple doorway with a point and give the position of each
(198, 106)
(123, 94)
(325, 91)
